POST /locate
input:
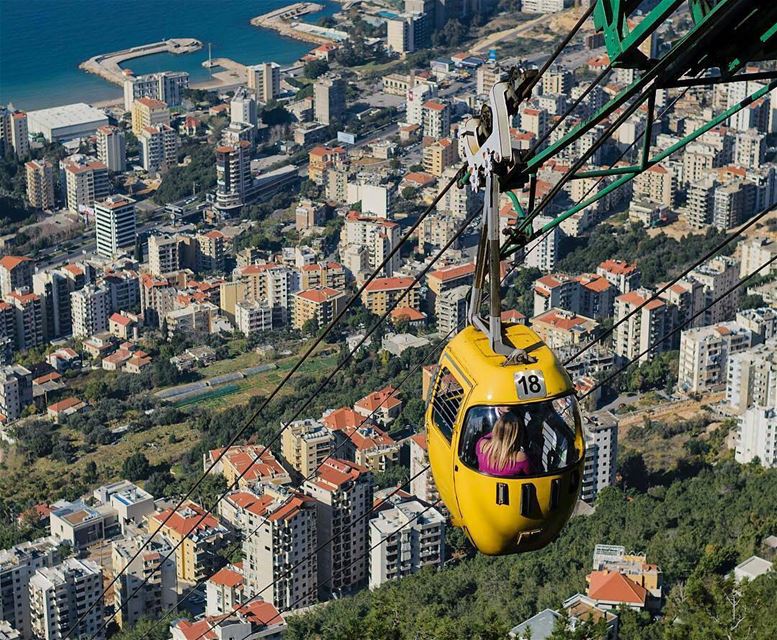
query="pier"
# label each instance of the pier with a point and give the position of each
(286, 22)
(108, 65)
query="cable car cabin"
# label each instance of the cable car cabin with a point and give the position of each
(472, 389)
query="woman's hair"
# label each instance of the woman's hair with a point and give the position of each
(505, 441)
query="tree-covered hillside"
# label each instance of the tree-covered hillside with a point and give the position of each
(695, 529)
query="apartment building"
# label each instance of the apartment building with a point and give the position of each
(543, 252)
(451, 309)
(556, 290)
(343, 494)
(86, 181)
(687, 295)
(543, 6)
(329, 98)
(320, 305)
(265, 80)
(27, 309)
(322, 158)
(559, 328)
(280, 563)
(115, 225)
(757, 436)
(81, 525)
(436, 119)
(272, 282)
(224, 591)
(305, 444)
(253, 316)
(360, 440)
(439, 155)
(365, 242)
(322, 274)
(645, 329)
(422, 484)
(383, 405)
(244, 465)
(234, 183)
(717, 276)
(704, 355)
(381, 293)
(163, 254)
(600, 430)
(112, 148)
(486, 76)
(403, 540)
(447, 279)
(62, 595)
(751, 378)
(148, 112)
(17, 565)
(40, 184)
(762, 322)
(15, 390)
(211, 251)
(202, 534)
(14, 132)
(658, 183)
(754, 253)
(54, 287)
(620, 274)
(90, 309)
(167, 86)
(158, 147)
(15, 273)
(146, 587)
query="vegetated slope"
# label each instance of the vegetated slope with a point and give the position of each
(695, 528)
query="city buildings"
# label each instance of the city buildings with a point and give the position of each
(14, 132)
(112, 148)
(366, 242)
(600, 430)
(158, 147)
(148, 112)
(403, 539)
(751, 378)
(146, 588)
(705, 353)
(380, 294)
(718, 276)
(62, 595)
(40, 184)
(265, 81)
(343, 494)
(202, 535)
(15, 390)
(253, 316)
(559, 328)
(305, 444)
(234, 183)
(86, 181)
(319, 305)
(643, 335)
(165, 86)
(421, 481)
(90, 308)
(15, 273)
(329, 99)
(65, 122)
(757, 436)
(115, 225)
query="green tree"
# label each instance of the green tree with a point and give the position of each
(136, 467)
(315, 68)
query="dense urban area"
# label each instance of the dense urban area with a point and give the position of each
(168, 261)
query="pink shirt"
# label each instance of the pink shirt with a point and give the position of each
(515, 468)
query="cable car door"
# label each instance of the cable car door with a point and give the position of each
(450, 390)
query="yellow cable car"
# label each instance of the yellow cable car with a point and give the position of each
(492, 380)
(502, 515)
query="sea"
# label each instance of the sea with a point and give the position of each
(42, 42)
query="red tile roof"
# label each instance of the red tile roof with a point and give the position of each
(611, 586)
(262, 613)
(226, 577)
(389, 284)
(619, 267)
(290, 508)
(384, 398)
(11, 262)
(187, 519)
(452, 273)
(319, 295)
(334, 473)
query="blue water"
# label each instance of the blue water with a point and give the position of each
(42, 42)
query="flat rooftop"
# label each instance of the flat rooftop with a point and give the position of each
(65, 115)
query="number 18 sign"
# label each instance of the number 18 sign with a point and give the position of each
(530, 384)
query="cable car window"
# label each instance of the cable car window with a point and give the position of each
(546, 436)
(448, 395)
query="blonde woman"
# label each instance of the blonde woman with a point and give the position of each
(500, 452)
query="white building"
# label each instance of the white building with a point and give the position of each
(718, 276)
(366, 241)
(265, 80)
(15, 390)
(147, 584)
(343, 494)
(158, 147)
(66, 122)
(305, 444)
(242, 107)
(167, 86)
(644, 332)
(112, 148)
(90, 309)
(422, 482)
(451, 309)
(253, 316)
(86, 180)
(704, 355)
(762, 322)
(754, 253)
(601, 452)
(543, 6)
(17, 565)
(279, 560)
(752, 377)
(542, 252)
(404, 539)
(757, 436)
(114, 225)
(61, 595)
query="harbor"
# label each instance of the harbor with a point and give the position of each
(108, 65)
(286, 21)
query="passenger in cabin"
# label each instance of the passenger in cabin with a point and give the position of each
(501, 452)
